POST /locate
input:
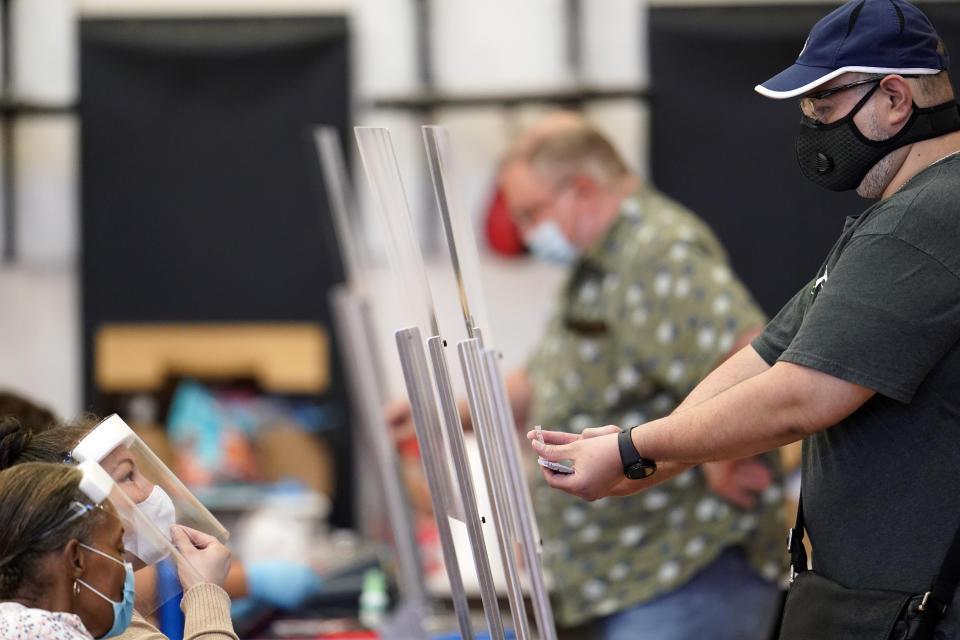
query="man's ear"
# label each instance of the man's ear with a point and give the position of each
(898, 100)
(73, 558)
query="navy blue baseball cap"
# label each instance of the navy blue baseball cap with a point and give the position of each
(869, 36)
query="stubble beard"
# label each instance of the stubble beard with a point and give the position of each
(878, 178)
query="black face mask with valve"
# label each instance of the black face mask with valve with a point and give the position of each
(837, 156)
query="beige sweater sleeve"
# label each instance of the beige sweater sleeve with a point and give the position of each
(140, 629)
(206, 610)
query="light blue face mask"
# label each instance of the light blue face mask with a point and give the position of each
(548, 242)
(123, 610)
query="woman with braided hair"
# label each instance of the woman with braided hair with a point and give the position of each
(62, 574)
(280, 583)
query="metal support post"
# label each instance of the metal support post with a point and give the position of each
(416, 376)
(451, 416)
(478, 397)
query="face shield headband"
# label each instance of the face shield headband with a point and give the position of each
(837, 156)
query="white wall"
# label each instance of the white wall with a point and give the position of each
(40, 336)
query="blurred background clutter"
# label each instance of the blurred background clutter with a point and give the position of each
(167, 249)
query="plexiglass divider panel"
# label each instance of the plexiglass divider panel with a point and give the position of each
(489, 404)
(379, 160)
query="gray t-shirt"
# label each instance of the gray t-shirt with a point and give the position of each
(881, 489)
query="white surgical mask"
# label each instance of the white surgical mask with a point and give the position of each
(548, 242)
(158, 508)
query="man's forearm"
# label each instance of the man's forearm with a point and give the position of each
(783, 404)
(742, 365)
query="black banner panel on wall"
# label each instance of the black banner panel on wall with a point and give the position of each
(199, 179)
(728, 153)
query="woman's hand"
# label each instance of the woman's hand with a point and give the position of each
(209, 560)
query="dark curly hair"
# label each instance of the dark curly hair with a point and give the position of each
(19, 443)
(41, 510)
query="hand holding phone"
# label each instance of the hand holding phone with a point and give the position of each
(553, 466)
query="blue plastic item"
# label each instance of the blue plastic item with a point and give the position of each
(169, 592)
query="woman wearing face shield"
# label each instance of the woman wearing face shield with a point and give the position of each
(62, 574)
(205, 604)
(279, 583)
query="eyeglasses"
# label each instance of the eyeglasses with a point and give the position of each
(525, 216)
(809, 107)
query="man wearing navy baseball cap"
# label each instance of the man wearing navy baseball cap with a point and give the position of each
(863, 363)
(871, 79)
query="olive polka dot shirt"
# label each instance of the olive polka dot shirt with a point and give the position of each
(644, 315)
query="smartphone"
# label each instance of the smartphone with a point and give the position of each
(555, 466)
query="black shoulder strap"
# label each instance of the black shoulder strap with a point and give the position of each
(798, 553)
(943, 586)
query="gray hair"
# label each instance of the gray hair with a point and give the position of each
(563, 154)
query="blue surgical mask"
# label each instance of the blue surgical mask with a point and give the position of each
(122, 610)
(548, 242)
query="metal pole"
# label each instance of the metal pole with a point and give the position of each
(495, 476)
(360, 366)
(451, 416)
(529, 536)
(423, 405)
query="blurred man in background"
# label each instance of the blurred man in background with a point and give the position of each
(650, 306)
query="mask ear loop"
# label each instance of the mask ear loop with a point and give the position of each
(863, 101)
(97, 591)
(109, 557)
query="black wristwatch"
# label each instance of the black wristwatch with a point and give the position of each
(635, 466)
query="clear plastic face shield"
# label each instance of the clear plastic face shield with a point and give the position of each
(148, 482)
(105, 494)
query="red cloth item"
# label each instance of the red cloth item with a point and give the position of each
(502, 234)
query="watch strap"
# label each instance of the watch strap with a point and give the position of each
(629, 455)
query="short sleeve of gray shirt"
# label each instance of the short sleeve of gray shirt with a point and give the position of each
(884, 312)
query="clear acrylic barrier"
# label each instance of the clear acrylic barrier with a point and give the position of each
(364, 372)
(393, 214)
(458, 229)
(379, 160)
(406, 261)
(489, 405)
(343, 206)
